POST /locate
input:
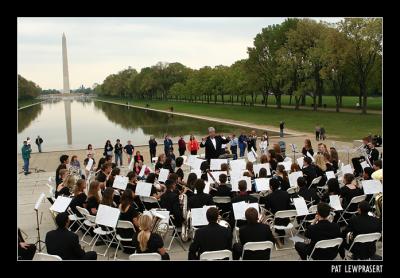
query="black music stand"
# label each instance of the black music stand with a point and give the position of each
(36, 209)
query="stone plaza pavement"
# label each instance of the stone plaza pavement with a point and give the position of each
(31, 186)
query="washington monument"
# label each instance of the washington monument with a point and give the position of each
(65, 66)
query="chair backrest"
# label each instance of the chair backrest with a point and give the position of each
(363, 238)
(46, 257)
(358, 199)
(286, 213)
(222, 199)
(328, 243)
(216, 255)
(291, 190)
(261, 245)
(148, 199)
(85, 213)
(145, 257)
(123, 224)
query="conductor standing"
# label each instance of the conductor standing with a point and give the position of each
(213, 144)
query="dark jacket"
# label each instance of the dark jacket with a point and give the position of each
(277, 200)
(152, 144)
(181, 144)
(199, 200)
(253, 233)
(309, 173)
(65, 244)
(309, 194)
(167, 145)
(170, 201)
(363, 224)
(38, 141)
(321, 231)
(118, 148)
(247, 198)
(212, 237)
(212, 152)
(140, 158)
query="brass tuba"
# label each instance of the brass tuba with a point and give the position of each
(159, 227)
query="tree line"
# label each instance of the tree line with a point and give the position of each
(27, 89)
(298, 58)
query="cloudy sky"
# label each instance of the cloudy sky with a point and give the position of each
(98, 47)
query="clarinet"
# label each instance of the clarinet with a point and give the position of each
(214, 180)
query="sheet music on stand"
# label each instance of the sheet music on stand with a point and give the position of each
(163, 175)
(190, 160)
(262, 184)
(301, 206)
(239, 209)
(197, 163)
(300, 161)
(334, 202)
(310, 156)
(346, 169)
(161, 213)
(61, 204)
(251, 157)
(199, 216)
(107, 216)
(293, 178)
(372, 186)
(90, 164)
(238, 164)
(215, 164)
(330, 175)
(143, 188)
(364, 164)
(235, 183)
(120, 182)
(39, 201)
(286, 165)
(258, 167)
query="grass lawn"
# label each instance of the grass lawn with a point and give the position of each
(25, 102)
(338, 126)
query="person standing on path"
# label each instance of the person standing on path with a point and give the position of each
(193, 145)
(129, 148)
(317, 132)
(168, 145)
(281, 127)
(153, 147)
(26, 155)
(181, 146)
(242, 143)
(322, 134)
(39, 142)
(118, 152)
(234, 144)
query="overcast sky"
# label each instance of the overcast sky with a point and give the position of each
(98, 47)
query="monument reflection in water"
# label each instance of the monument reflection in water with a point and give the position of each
(93, 122)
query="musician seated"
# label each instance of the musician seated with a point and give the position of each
(179, 171)
(67, 182)
(309, 194)
(282, 176)
(93, 200)
(192, 177)
(212, 237)
(103, 175)
(357, 160)
(350, 190)
(64, 159)
(321, 229)
(242, 196)
(333, 189)
(200, 199)
(128, 213)
(204, 168)
(309, 171)
(253, 231)
(225, 168)
(170, 201)
(378, 174)
(64, 243)
(132, 180)
(222, 189)
(278, 200)
(146, 241)
(79, 198)
(26, 251)
(361, 223)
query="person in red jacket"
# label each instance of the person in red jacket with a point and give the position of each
(181, 146)
(193, 145)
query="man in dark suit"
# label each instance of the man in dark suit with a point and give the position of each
(213, 144)
(278, 200)
(65, 243)
(309, 170)
(170, 201)
(200, 199)
(321, 230)
(361, 224)
(212, 237)
(253, 232)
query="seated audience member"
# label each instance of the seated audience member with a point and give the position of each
(309, 194)
(309, 170)
(65, 187)
(333, 189)
(378, 173)
(93, 201)
(128, 213)
(104, 175)
(179, 171)
(282, 176)
(26, 251)
(64, 243)
(146, 241)
(320, 229)
(334, 159)
(212, 237)
(278, 200)
(307, 147)
(350, 190)
(361, 224)
(64, 161)
(170, 201)
(253, 231)
(79, 198)
(200, 199)
(222, 189)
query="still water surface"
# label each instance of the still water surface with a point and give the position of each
(73, 124)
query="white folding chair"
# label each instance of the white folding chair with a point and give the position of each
(75, 219)
(89, 222)
(323, 244)
(216, 255)
(126, 225)
(292, 190)
(46, 257)
(315, 181)
(354, 200)
(149, 200)
(287, 159)
(363, 238)
(291, 214)
(255, 246)
(145, 257)
(312, 211)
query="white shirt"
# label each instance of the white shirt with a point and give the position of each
(214, 142)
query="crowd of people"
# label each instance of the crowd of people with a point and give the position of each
(171, 194)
